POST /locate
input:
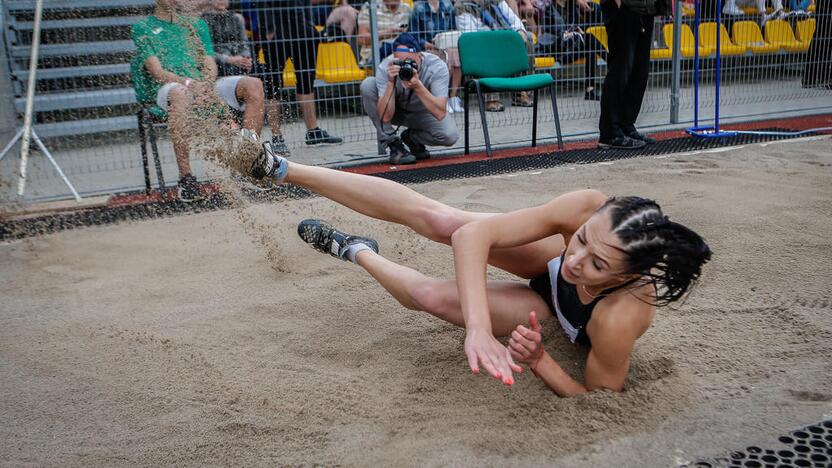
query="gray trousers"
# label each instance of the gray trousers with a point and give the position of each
(423, 126)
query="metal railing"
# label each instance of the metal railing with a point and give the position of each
(85, 106)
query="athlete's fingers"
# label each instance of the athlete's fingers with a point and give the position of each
(519, 338)
(472, 362)
(489, 367)
(502, 364)
(534, 323)
(516, 355)
(513, 365)
(521, 350)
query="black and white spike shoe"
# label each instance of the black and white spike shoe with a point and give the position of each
(326, 239)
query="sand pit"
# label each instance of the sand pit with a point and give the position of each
(177, 341)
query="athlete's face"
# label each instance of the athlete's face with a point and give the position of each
(594, 256)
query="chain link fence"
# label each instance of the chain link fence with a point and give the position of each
(312, 59)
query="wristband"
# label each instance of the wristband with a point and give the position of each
(536, 362)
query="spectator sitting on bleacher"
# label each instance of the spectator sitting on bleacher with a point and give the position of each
(731, 8)
(567, 40)
(410, 89)
(800, 7)
(342, 14)
(485, 15)
(233, 56)
(173, 67)
(393, 17)
(433, 22)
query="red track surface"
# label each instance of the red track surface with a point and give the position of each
(795, 123)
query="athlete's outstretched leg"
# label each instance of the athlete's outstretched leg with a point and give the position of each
(509, 302)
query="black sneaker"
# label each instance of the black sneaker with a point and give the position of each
(325, 238)
(621, 142)
(267, 163)
(416, 149)
(641, 137)
(399, 154)
(319, 136)
(279, 146)
(592, 95)
(189, 189)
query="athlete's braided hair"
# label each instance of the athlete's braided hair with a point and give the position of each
(669, 254)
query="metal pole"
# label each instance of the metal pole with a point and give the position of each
(718, 62)
(30, 95)
(676, 61)
(696, 65)
(374, 45)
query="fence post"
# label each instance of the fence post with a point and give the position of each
(374, 45)
(676, 61)
(8, 118)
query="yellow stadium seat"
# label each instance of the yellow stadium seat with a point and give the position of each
(805, 30)
(337, 64)
(289, 78)
(544, 62)
(811, 8)
(747, 33)
(688, 41)
(661, 54)
(707, 38)
(779, 33)
(600, 33)
(409, 2)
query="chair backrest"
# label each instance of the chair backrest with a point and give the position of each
(805, 30)
(688, 40)
(707, 35)
(492, 54)
(779, 32)
(747, 33)
(600, 33)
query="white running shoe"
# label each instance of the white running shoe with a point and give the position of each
(732, 9)
(456, 104)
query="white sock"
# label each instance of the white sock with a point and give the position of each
(352, 251)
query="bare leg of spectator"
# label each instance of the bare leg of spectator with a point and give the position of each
(179, 102)
(250, 91)
(307, 107)
(345, 16)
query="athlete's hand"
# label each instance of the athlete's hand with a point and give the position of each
(483, 349)
(525, 344)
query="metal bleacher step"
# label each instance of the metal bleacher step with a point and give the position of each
(80, 23)
(75, 48)
(75, 72)
(86, 127)
(29, 5)
(78, 100)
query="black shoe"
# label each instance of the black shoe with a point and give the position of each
(641, 137)
(189, 189)
(416, 149)
(319, 136)
(325, 238)
(279, 146)
(592, 95)
(399, 154)
(621, 142)
(267, 163)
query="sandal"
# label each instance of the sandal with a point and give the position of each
(522, 100)
(494, 106)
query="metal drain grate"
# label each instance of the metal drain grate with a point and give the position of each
(809, 446)
(35, 226)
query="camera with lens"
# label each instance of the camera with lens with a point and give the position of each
(407, 68)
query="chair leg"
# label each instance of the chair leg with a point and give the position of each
(156, 159)
(143, 145)
(481, 99)
(534, 118)
(557, 116)
(465, 95)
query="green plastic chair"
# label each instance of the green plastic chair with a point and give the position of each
(491, 59)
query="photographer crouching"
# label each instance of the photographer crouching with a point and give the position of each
(410, 90)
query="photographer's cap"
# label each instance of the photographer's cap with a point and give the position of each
(406, 42)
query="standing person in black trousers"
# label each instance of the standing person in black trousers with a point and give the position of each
(629, 26)
(285, 30)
